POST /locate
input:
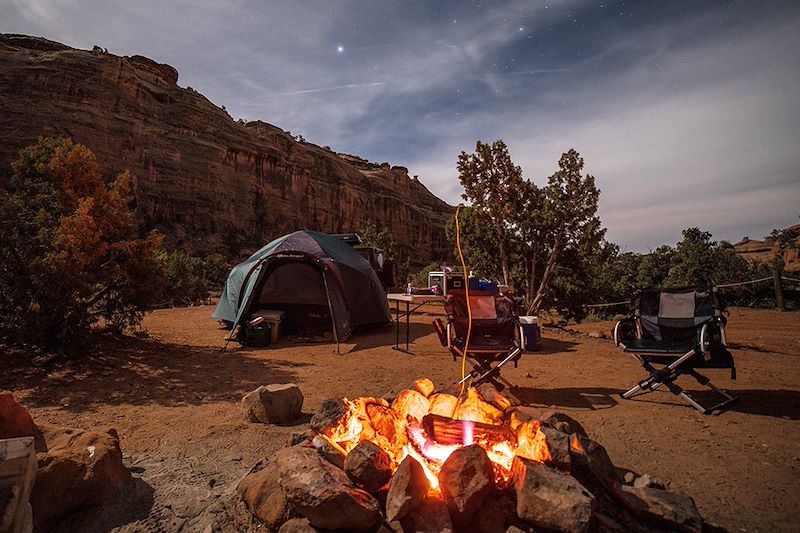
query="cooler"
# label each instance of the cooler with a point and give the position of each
(274, 318)
(531, 337)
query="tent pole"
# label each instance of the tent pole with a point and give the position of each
(330, 310)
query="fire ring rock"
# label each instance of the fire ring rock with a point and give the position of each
(466, 479)
(323, 493)
(368, 465)
(273, 404)
(406, 490)
(550, 499)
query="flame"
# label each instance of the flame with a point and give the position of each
(575, 443)
(398, 430)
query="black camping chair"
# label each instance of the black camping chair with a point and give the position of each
(671, 332)
(495, 339)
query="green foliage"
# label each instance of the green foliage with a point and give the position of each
(420, 279)
(542, 240)
(69, 257)
(374, 237)
(188, 280)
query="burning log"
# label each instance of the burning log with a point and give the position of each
(447, 431)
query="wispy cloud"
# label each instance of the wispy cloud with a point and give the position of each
(334, 88)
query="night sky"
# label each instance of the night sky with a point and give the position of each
(687, 112)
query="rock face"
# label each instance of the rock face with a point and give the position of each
(208, 182)
(16, 422)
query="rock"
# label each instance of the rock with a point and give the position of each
(674, 511)
(297, 525)
(597, 334)
(630, 477)
(493, 396)
(329, 414)
(368, 465)
(299, 437)
(646, 481)
(323, 493)
(81, 468)
(262, 494)
(550, 499)
(496, 514)
(273, 404)
(328, 451)
(466, 479)
(562, 423)
(424, 386)
(214, 182)
(411, 403)
(387, 424)
(474, 407)
(16, 422)
(557, 446)
(407, 489)
(430, 516)
(591, 465)
(443, 404)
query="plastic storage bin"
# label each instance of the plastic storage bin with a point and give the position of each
(273, 318)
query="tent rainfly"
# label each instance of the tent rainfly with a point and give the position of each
(320, 283)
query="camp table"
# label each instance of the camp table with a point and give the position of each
(417, 300)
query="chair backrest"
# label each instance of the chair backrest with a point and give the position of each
(492, 315)
(675, 314)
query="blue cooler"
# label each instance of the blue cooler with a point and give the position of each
(531, 337)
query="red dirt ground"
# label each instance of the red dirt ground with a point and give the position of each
(173, 396)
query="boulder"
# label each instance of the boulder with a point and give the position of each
(81, 468)
(562, 423)
(591, 465)
(549, 499)
(368, 465)
(407, 489)
(273, 404)
(466, 479)
(262, 494)
(323, 493)
(556, 445)
(16, 422)
(674, 511)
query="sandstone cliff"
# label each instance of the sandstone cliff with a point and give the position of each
(765, 251)
(208, 182)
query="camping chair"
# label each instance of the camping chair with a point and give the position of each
(495, 339)
(671, 332)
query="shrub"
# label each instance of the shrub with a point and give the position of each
(69, 256)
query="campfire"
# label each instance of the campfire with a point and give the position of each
(431, 461)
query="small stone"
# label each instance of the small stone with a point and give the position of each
(562, 423)
(369, 466)
(273, 404)
(333, 454)
(646, 481)
(596, 334)
(630, 477)
(299, 437)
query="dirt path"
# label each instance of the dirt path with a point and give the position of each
(173, 397)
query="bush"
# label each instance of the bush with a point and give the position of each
(188, 279)
(69, 256)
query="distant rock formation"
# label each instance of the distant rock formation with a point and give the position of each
(208, 182)
(765, 251)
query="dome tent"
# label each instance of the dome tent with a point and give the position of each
(319, 281)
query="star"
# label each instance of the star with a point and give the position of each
(340, 48)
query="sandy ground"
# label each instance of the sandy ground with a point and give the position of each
(173, 396)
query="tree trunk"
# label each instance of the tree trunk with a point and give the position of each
(548, 273)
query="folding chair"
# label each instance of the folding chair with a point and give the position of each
(672, 332)
(495, 339)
